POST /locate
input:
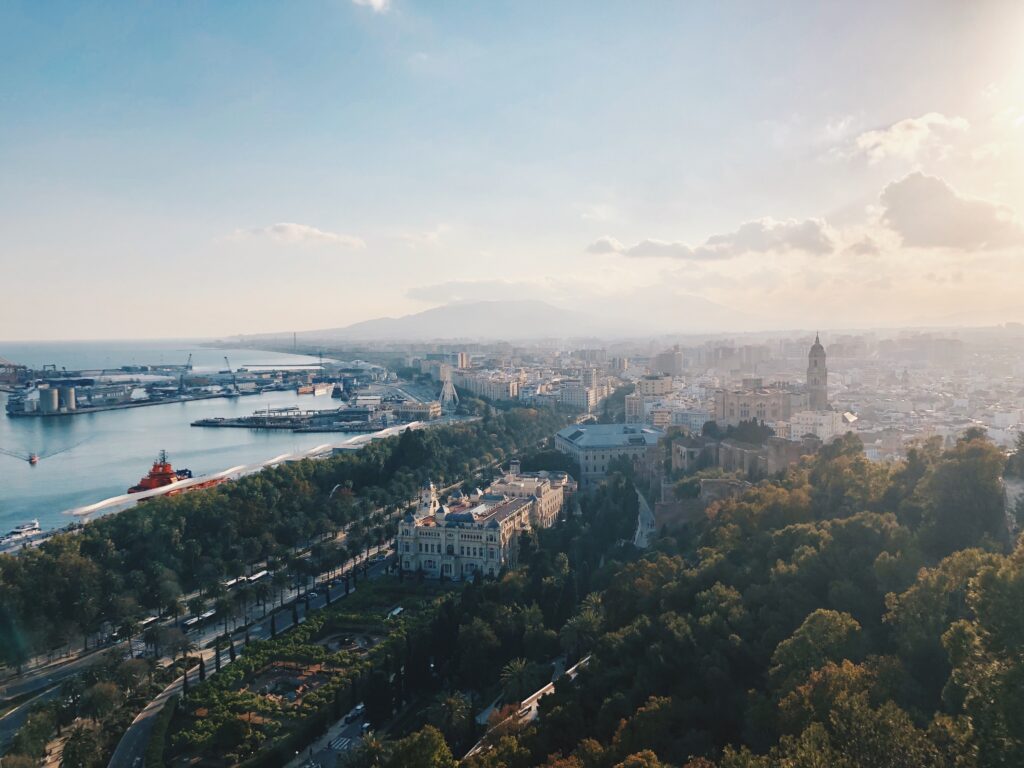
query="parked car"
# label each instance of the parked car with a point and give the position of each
(356, 713)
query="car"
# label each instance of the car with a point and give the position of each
(311, 595)
(365, 728)
(356, 713)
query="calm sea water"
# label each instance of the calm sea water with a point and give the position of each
(114, 449)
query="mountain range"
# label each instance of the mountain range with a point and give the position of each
(520, 319)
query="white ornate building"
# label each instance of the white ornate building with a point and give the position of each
(479, 533)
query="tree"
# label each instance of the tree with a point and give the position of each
(520, 678)
(424, 749)
(824, 636)
(581, 632)
(83, 748)
(963, 498)
(452, 714)
(379, 699)
(100, 700)
(477, 646)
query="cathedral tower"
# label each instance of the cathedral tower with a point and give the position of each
(817, 377)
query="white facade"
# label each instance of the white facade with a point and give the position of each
(479, 535)
(824, 425)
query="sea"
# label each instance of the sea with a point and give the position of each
(99, 455)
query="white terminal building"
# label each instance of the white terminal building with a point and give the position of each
(479, 533)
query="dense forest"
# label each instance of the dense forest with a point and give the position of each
(148, 559)
(848, 613)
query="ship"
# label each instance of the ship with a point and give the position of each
(163, 474)
(20, 532)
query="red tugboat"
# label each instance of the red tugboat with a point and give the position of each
(163, 474)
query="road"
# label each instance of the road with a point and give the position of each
(134, 741)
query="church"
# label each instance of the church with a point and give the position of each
(817, 377)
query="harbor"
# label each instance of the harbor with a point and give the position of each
(32, 534)
(91, 456)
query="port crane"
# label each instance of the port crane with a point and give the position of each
(187, 369)
(234, 379)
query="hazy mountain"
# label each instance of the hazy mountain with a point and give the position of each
(472, 320)
(642, 314)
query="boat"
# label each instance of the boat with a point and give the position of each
(23, 531)
(33, 459)
(163, 474)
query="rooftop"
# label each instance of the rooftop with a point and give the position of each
(610, 435)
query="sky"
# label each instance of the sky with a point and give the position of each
(206, 169)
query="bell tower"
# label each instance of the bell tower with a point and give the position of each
(817, 377)
(428, 500)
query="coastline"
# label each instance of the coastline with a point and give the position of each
(87, 513)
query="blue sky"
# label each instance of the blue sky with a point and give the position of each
(206, 169)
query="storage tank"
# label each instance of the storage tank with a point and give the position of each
(48, 400)
(67, 398)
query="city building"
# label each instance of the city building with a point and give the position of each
(824, 425)
(669, 362)
(752, 401)
(654, 386)
(480, 533)
(414, 411)
(817, 377)
(634, 405)
(576, 394)
(594, 446)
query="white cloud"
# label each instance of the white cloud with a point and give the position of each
(909, 138)
(430, 237)
(926, 212)
(287, 232)
(478, 290)
(378, 6)
(812, 236)
(606, 244)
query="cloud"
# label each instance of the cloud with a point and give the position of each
(812, 236)
(908, 138)
(430, 237)
(287, 232)
(606, 244)
(926, 212)
(476, 290)
(866, 246)
(378, 6)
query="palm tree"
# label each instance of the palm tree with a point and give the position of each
(262, 592)
(581, 632)
(224, 607)
(280, 581)
(516, 678)
(129, 626)
(451, 713)
(196, 605)
(372, 752)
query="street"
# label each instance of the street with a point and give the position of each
(134, 741)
